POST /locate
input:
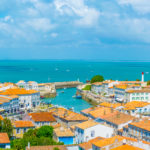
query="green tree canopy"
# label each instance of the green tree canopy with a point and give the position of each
(45, 131)
(148, 82)
(87, 87)
(7, 126)
(97, 78)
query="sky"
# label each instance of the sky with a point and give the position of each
(75, 29)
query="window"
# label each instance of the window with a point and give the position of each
(17, 131)
(24, 130)
(92, 133)
(146, 98)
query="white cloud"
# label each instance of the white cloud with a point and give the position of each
(8, 18)
(88, 16)
(54, 35)
(40, 24)
(141, 6)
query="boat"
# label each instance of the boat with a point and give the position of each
(78, 97)
(42, 97)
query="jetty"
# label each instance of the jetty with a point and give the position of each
(67, 84)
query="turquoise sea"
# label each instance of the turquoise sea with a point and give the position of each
(51, 71)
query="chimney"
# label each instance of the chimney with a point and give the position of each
(142, 76)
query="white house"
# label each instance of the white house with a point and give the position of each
(27, 98)
(90, 129)
(138, 95)
(31, 85)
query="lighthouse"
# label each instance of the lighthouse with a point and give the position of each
(142, 76)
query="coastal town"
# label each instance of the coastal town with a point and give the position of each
(119, 118)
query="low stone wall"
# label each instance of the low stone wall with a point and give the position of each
(67, 84)
(48, 94)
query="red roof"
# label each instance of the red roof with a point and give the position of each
(42, 117)
(23, 124)
(4, 138)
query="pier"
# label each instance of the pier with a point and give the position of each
(67, 84)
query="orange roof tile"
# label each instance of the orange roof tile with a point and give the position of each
(86, 124)
(88, 145)
(63, 132)
(102, 112)
(18, 92)
(121, 86)
(1, 118)
(126, 147)
(107, 141)
(67, 114)
(139, 91)
(23, 124)
(119, 118)
(107, 104)
(4, 138)
(97, 83)
(61, 147)
(42, 117)
(135, 104)
(144, 124)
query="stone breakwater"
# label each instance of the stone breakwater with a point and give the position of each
(67, 84)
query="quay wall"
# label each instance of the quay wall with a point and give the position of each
(67, 84)
(87, 96)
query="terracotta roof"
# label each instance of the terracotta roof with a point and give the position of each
(97, 83)
(144, 124)
(42, 117)
(102, 112)
(56, 125)
(113, 105)
(88, 145)
(108, 141)
(121, 86)
(61, 147)
(63, 132)
(126, 147)
(119, 118)
(18, 92)
(112, 140)
(68, 115)
(139, 91)
(86, 111)
(1, 118)
(4, 138)
(135, 104)
(86, 124)
(130, 82)
(22, 124)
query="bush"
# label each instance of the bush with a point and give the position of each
(148, 82)
(87, 88)
(97, 78)
(45, 131)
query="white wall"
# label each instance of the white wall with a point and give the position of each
(98, 130)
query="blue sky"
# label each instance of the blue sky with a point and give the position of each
(75, 29)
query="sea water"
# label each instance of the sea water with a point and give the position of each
(52, 71)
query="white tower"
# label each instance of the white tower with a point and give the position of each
(142, 76)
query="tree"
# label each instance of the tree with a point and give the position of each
(0, 125)
(7, 127)
(30, 133)
(45, 131)
(137, 79)
(87, 87)
(56, 148)
(97, 78)
(148, 82)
